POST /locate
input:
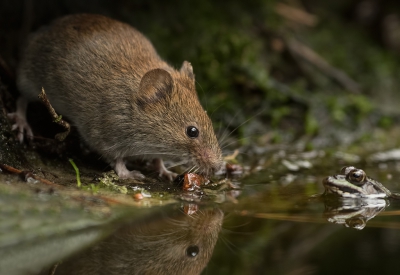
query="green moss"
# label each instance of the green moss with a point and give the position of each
(108, 181)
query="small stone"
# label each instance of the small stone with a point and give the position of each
(138, 197)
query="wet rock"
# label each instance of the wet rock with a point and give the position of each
(390, 155)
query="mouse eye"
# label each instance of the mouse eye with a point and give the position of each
(192, 132)
(192, 251)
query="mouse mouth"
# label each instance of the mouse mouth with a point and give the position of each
(207, 167)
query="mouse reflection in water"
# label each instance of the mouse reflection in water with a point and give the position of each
(169, 244)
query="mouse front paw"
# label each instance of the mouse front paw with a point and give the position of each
(162, 171)
(21, 124)
(169, 175)
(124, 173)
(131, 175)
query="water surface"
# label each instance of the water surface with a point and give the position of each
(275, 222)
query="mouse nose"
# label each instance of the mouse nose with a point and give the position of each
(212, 160)
(216, 167)
(205, 155)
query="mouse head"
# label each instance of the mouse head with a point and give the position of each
(177, 121)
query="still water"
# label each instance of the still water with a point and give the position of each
(275, 222)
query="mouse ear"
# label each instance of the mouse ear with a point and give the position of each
(155, 86)
(187, 69)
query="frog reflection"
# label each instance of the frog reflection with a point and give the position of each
(354, 213)
(174, 243)
(361, 198)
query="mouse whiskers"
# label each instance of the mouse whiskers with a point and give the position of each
(224, 136)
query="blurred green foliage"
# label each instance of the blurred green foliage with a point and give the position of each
(239, 73)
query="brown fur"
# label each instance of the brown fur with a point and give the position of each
(154, 247)
(107, 78)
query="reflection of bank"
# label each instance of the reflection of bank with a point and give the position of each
(351, 212)
(167, 243)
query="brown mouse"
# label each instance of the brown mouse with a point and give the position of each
(167, 243)
(108, 80)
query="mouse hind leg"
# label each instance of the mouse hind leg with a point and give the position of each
(29, 92)
(20, 122)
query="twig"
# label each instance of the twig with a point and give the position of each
(232, 156)
(295, 14)
(56, 118)
(53, 269)
(13, 170)
(300, 50)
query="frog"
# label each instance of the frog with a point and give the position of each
(354, 183)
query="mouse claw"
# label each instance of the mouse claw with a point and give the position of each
(169, 175)
(132, 175)
(21, 125)
(162, 171)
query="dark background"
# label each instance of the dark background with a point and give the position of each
(316, 73)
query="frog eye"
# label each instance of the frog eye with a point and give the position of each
(356, 176)
(346, 169)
